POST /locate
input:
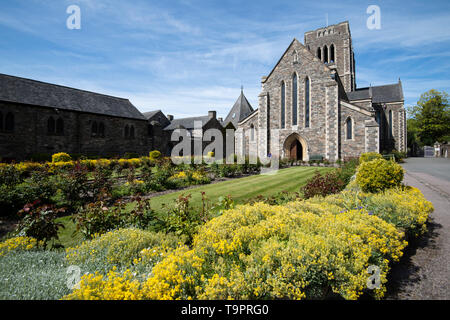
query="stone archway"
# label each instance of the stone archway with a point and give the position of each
(295, 147)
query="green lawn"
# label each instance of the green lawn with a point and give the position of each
(290, 179)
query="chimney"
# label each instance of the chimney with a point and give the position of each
(212, 114)
(220, 119)
(170, 117)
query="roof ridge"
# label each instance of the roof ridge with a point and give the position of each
(62, 86)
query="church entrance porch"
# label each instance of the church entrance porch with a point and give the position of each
(295, 147)
(296, 151)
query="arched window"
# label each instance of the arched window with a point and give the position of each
(127, 131)
(349, 126)
(307, 102)
(132, 132)
(60, 126)
(101, 129)
(9, 122)
(150, 130)
(294, 99)
(283, 104)
(268, 111)
(319, 53)
(51, 126)
(332, 53)
(252, 132)
(325, 54)
(94, 129)
(1, 121)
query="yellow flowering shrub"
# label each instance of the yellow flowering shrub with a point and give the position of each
(119, 247)
(405, 207)
(61, 157)
(301, 250)
(19, 244)
(369, 156)
(378, 175)
(113, 286)
(28, 167)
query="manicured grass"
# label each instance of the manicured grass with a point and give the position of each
(290, 179)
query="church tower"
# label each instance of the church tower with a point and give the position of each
(333, 45)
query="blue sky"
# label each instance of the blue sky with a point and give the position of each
(187, 57)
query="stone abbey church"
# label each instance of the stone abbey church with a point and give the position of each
(309, 108)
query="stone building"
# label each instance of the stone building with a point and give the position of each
(42, 118)
(310, 108)
(193, 128)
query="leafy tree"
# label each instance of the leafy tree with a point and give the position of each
(430, 118)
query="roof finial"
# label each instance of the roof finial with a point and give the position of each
(242, 88)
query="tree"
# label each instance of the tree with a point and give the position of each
(431, 118)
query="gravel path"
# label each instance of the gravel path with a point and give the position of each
(424, 271)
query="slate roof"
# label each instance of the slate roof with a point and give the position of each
(186, 123)
(150, 114)
(379, 94)
(241, 110)
(37, 93)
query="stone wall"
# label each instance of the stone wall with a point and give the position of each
(31, 135)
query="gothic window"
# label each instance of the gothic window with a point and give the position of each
(307, 102)
(94, 129)
(150, 130)
(294, 99)
(332, 53)
(132, 132)
(325, 54)
(101, 129)
(283, 104)
(59, 126)
(252, 133)
(127, 131)
(378, 118)
(319, 53)
(9, 122)
(51, 125)
(268, 111)
(349, 126)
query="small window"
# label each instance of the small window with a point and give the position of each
(51, 126)
(59, 126)
(1, 121)
(252, 133)
(150, 130)
(349, 127)
(127, 131)
(132, 132)
(9, 122)
(325, 54)
(94, 129)
(101, 129)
